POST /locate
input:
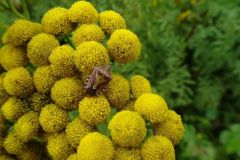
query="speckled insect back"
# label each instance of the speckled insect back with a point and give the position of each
(60, 99)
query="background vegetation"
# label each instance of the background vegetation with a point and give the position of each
(191, 55)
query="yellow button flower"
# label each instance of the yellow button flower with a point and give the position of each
(12, 57)
(124, 46)
(27, 126)
(111, 21)
(62, 61)
(117, 91)
(83, 12)
(58, 147)
(127, 129)
(89, 55)
(152, 107)
(95, 146)
(139, 85)
(67, 93)
(18, 82)
(73, 157)
(53, 119)
(94, 110)
(88, 32)
(44, 79)
(14, 108)
(40, 47)
(127, 154)
(20, 32)
(172, 128)
(12, 144)
(56, 21)
(76, 130)
(158, 147)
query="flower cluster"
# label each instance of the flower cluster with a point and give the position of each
(46, 80)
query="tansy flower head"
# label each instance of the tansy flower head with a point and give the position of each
(12, 57)
(76, 130)
(73, 157)
(152, 107)
(172, 128)
(52, 118)
(117, 91)
(111, 21)
(127, 154)
(44, 79)
(40, 47)
(27, 126)
(3, 93)
(58, 147)
(21, 32)
(55, 21)
(127, 129)
(67, 93)
(139, 85)
(89, 55)
(124, 46)
(94, 110)
(14, 108)
(88, 32)
(83, 12)
(62, 61)
(12, 144)
(158, 147)
(95, 146)
(38, 100)
(18, 82)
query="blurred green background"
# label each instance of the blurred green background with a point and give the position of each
(191, 55)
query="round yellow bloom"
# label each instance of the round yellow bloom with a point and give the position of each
(27, 126)
(111, 21)
(124, 46)
(67, 93)
(88, 32)
(127, 154)
(21, 32)
(83, 12)
(40, 47)
(76, 130)
(94, 110)
(73, 157)
(139, 85)
(44, 79)
(58, 147)
(89, 55)
(13, 57)
(32, 150)
(117, 91)
(152, 107)
(158, 147)
(18, 82)
(14, 108)
(6, 157)
(62, 61)
(38, 100)
(3, 94)
(55, 21)
(172, 128)
(127, 129)
(12, 144)
(53, 119)
(95, 146)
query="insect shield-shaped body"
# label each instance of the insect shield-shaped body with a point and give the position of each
(98, 80)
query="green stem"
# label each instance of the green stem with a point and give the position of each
(69, 40)
(25, 10)
(10, 4)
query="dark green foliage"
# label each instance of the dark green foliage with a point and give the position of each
(193, 61)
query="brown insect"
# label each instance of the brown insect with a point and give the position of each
(98, 80)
